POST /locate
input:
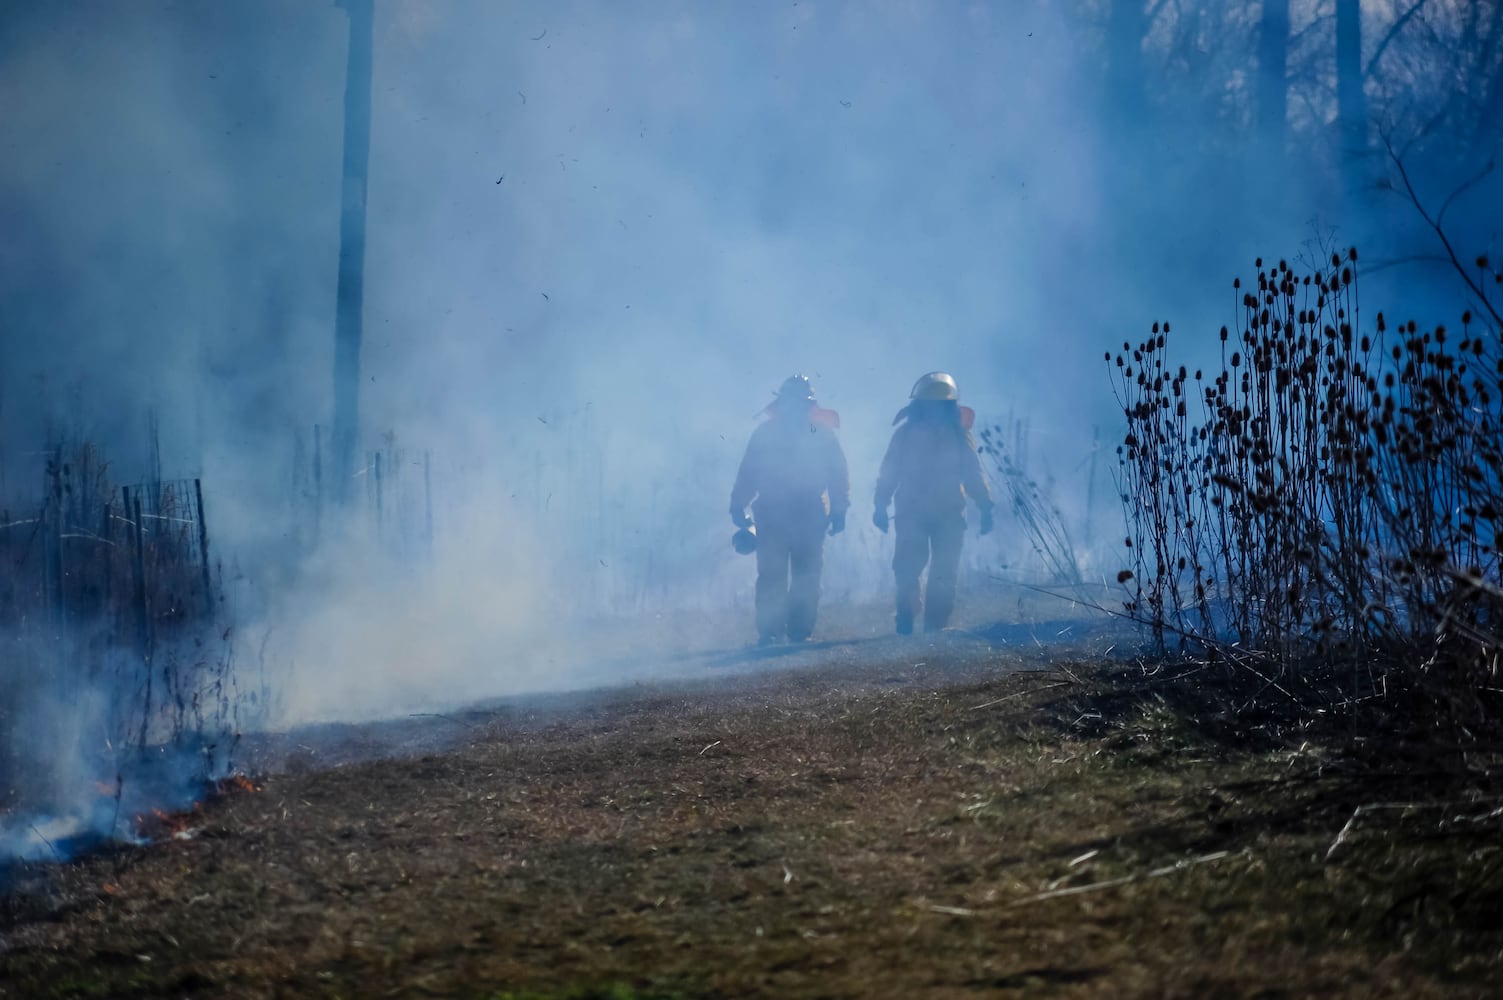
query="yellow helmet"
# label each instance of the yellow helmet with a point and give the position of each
(935, 385)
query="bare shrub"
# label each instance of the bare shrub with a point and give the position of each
(1032, 506)
(1328, 491)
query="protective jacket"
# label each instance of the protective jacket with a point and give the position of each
(931, 468)
(793, 472)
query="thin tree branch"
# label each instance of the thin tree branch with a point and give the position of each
(1419, 258)
(1445, 241)
(1471, 182)
(1393, 33)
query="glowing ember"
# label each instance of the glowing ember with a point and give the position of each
(160, 825)
(235, 784)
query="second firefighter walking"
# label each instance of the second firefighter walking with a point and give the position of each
(930, 470)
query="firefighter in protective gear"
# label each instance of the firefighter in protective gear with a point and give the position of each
(794, 477)
(929, 471)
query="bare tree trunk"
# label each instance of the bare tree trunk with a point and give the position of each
(1350, 100)
(1130, 155)
(1273, 77)
(1490, 125)
(1126, 26)
(351, 293)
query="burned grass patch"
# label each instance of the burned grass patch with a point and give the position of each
(965, 827)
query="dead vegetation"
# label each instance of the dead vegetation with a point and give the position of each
(968, 826)
(113, 633)
(1331, 495)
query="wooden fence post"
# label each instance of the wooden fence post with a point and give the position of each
(143, 616)
(54, 537)
(427, 506)
(318, 479)
(377, 466)
(203, 548)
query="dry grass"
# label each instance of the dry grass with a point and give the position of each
(969, 826)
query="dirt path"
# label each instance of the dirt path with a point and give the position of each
(890, 819)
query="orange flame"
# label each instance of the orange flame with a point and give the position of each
(235, 784)
(159, 824)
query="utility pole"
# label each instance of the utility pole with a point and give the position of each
(351, 294)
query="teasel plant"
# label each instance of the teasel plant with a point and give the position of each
(1330, 495)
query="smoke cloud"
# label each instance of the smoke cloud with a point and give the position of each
(599, 235)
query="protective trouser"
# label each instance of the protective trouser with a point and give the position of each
(790, 558)
(935, 540)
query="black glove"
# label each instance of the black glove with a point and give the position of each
(837, 522)
(879, 518)
(739, 518)
(986, 521)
